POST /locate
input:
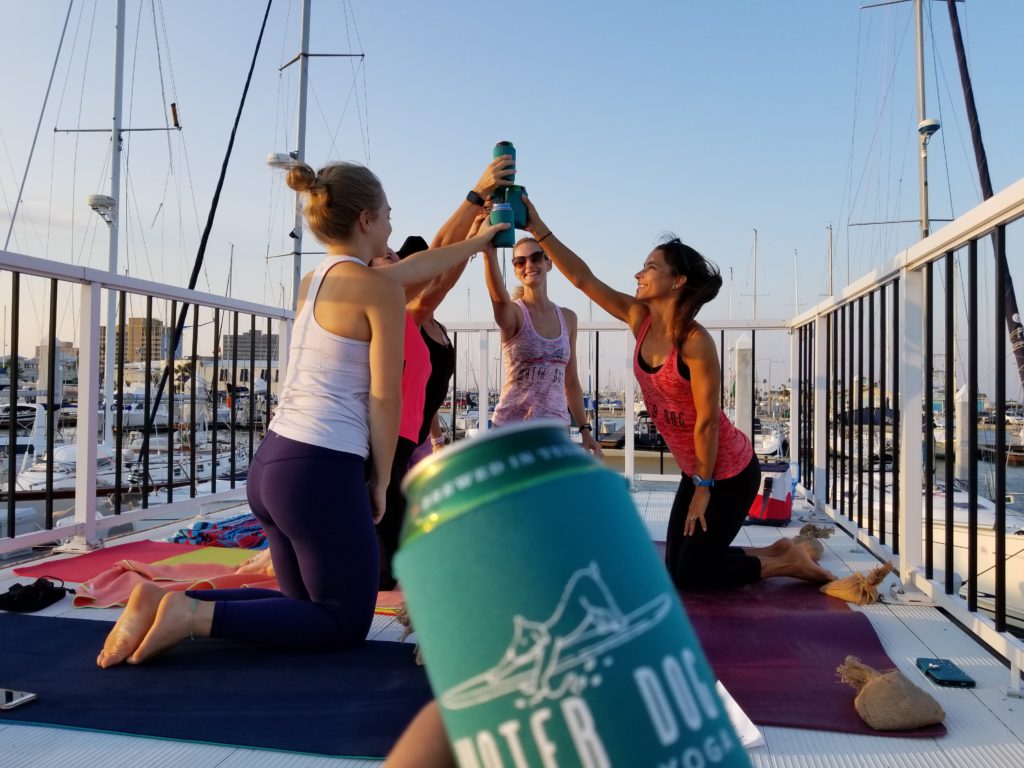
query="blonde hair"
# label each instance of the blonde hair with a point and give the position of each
(335, 196)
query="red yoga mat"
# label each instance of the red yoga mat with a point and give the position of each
(84, 567)
(775, 646)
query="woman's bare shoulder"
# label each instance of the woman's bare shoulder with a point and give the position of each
(698, 342)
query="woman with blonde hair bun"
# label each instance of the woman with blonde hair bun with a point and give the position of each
(338, 406)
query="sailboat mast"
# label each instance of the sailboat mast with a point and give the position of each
(115, 194)
(755, 276)
(925, 127)
(1012, 313)
(300, 149)
(829, 259)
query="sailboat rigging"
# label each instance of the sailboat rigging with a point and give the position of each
(1012, 313)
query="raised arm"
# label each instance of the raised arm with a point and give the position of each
(427, 265)
(619, 305)
(455, 230)
(574, 390)
(506, 313)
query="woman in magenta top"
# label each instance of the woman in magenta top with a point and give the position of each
(676, 365)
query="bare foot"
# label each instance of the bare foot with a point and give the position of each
(132, 626)
(813, 547)
(795, 563)
(258, 563)
(780, 547)
(174, 617)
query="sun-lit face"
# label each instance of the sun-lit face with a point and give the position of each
(530, 263)
(379, 231)
(656, 279)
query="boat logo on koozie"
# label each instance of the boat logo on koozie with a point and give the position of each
(564, 654)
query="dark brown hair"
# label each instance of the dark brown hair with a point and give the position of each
(703, 282)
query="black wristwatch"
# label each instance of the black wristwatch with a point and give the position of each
(586, 427)
(474, 198)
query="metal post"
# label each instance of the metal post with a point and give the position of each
(300, 150)
(483, 397)
(922, 138)
(911, 404)
(819, 426)
(88, 380)
(115, 193)
(630, 395)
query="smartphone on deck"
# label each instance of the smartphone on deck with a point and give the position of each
(10, 699)
(945, 672)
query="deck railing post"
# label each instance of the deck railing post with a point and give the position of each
(911, 388)
(482, 381)
(629, 467)
(88, 426)
(794, 400)
(819, 426)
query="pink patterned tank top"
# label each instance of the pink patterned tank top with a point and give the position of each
(534, 385)
(669, 401)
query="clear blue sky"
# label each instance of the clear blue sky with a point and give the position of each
(706, 119)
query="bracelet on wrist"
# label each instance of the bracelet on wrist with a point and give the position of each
(541, 239)
(474, 197)
(437, 441)
(586, 427)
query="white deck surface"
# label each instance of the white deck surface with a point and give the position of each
(986, 727)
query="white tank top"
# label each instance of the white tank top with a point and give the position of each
(325, 396)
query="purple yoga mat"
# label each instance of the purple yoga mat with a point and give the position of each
(775, 646)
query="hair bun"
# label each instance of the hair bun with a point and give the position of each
(301, 177)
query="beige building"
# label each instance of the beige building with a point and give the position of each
(136, 331)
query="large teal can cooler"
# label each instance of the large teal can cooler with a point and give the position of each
(551, 633)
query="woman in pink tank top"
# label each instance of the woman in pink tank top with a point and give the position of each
(676, 365)
(538, 346)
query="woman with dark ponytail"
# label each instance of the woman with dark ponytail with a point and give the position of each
(676, 365)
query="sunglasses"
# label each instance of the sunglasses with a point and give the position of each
(537, 257)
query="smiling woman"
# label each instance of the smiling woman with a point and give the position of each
(538, 345)
(676, 365)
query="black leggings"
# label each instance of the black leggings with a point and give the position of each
(390, 526)
(705, 559)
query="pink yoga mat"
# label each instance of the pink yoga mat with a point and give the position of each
(775, 646)
(84, 567)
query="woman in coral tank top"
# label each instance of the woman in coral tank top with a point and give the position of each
(676, 365)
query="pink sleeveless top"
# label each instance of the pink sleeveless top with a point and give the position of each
(669, 401)
(415, 372)
(534, 374)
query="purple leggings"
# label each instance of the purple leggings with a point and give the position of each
(313, 504)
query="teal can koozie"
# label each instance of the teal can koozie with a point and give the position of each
(503, 213)
(551, 633)
(514, 197)
(505, 148)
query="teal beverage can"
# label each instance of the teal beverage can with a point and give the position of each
(503, 213)
(550, 631)
(505, 148)
(514, 197)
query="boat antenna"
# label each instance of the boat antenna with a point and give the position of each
(179, 324)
